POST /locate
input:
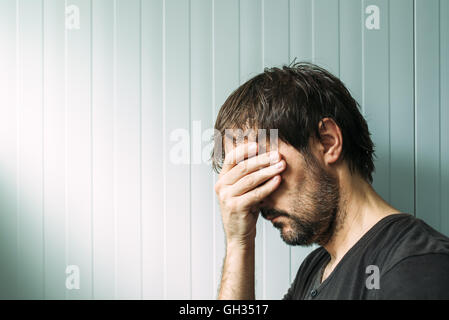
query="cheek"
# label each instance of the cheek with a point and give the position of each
(287, 188)
(293, 178)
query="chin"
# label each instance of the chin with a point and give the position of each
(286, 233)
(293, 239)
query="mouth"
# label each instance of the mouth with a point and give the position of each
(272, 214)
(272, 218)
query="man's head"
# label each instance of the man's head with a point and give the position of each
(322, 137)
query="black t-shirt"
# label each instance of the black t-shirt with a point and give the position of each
(400, 257)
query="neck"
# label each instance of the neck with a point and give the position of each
(360, 209)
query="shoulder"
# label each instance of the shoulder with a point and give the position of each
(413, 258)
(409, 237)
(424, 276)
(305, 272)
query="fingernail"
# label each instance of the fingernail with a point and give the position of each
(280, 165)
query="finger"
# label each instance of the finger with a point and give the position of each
(256, 195)
(239, 153)
(250, 165)
(253, 180)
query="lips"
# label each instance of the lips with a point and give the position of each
(271, 218)
(271, 214)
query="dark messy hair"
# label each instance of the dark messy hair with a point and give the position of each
(294, 100)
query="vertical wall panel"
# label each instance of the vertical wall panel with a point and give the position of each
(401, 106)
(251, 64)
(177, 175)
(301, 49)
(104, 268)
(350, 32)
(300, 17)
(54, 146)
(250, 35)
(276, 53)
(427, 111)
(202, 188)
(30, 161)
(226, 72)
(8, 150)
(78, 151)
(127, 150)
(152, 148)
(326, 25)
(444, 115)
(376, 103)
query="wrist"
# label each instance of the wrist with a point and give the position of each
(241, 244)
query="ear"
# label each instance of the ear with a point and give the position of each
(331, 140)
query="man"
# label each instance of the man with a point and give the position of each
(315, 187)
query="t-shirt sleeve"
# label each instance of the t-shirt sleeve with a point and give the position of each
(291, 291)
(417, 277)
(289, 294)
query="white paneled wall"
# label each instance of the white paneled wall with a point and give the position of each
(96, 97)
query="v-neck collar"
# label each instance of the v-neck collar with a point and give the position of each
(372, 231)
